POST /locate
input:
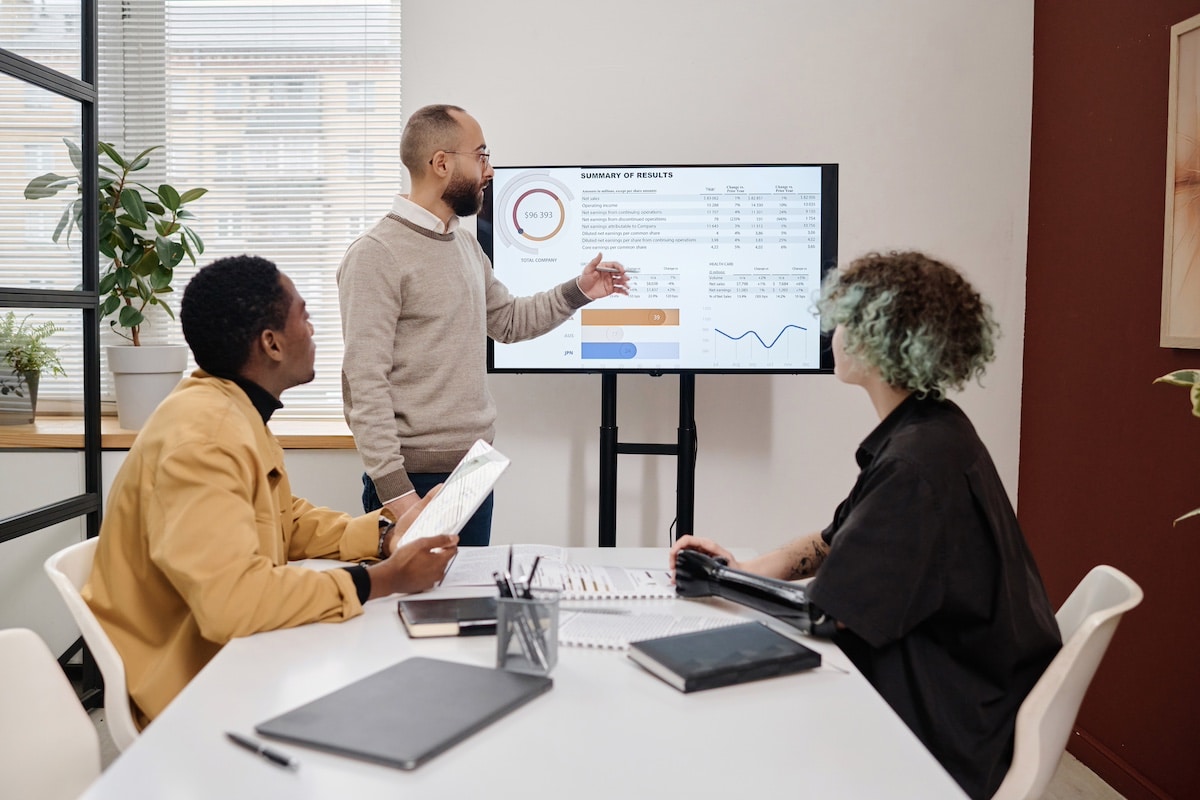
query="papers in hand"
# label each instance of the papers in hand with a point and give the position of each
(461, 495)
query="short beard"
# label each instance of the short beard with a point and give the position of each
(463, 197)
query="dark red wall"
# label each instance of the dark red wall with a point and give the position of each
(1107, 459)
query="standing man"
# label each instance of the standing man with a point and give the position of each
(201, 521)
(418, 300)
(936, 597)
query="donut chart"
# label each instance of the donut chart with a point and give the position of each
(533, 208)
(535, 215)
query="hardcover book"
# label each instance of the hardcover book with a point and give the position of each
(707, 659)
(455, 616)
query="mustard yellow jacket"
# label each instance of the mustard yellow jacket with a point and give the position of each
(197, 532)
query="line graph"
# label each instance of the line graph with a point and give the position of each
(754, 333)
(751, 349)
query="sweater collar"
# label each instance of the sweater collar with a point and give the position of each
(420, 216)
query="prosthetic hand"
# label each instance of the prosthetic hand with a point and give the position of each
(699, 575)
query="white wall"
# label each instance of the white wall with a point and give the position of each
(924, 104)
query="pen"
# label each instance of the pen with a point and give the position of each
(532, 571)
(504, 585)
(274, 756)
(526, 622)
(607, 269)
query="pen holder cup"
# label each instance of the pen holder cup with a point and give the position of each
(527, 632)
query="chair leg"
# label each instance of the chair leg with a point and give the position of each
(86, 674)
(93, 682)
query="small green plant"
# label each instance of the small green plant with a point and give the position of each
(24, 350)
(142, 233)
(1191, 379)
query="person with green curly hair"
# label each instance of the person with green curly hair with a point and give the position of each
(936, 596)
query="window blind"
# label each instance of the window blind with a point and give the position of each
(287, 112)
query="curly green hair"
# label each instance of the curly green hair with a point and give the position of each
(915, 319)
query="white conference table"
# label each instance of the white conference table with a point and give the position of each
(607, 729)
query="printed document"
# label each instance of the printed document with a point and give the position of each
(462, 494)
(474, 567)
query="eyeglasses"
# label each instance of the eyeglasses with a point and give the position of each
(484, 156)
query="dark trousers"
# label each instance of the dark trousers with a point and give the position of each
(476, 533)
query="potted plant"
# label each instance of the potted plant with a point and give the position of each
(1191, 379)
(143, 237)
(24, 356)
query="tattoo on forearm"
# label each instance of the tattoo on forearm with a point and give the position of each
(807, 557)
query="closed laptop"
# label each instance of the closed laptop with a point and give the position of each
(407, 713)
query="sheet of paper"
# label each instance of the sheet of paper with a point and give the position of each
(474, 565)
(462, 493)
(587, 582)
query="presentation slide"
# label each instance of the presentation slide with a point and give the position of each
(725, 264)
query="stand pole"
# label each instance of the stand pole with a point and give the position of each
(685, 474)
(608, 460)
(684, 449)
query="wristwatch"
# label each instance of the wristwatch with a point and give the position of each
(385, 527)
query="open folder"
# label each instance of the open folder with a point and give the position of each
(462, 494)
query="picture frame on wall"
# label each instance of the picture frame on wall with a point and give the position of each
(1181, 240)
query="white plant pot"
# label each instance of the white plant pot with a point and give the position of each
(143, 377)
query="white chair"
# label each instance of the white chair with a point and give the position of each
(69, 570)
(48, 746)
(1044, 722)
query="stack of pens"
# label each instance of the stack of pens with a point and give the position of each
(530, 618)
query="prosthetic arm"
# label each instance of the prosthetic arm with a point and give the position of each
(699, 575)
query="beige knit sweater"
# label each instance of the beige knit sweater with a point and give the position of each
(417, 307)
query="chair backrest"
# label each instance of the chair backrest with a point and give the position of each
(69, 570)
(1087, 622)
(48, 745)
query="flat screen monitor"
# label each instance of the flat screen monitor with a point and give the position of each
(725, 263)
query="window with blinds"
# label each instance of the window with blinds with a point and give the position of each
(287, 112)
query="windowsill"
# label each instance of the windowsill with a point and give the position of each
(66, 433)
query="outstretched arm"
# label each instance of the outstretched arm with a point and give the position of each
(795, 560)
(602, 278)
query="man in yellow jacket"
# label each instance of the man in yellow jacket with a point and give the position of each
(201, 521)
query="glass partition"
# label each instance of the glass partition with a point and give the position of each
(32, 145)
(46, 31)
(41, 363)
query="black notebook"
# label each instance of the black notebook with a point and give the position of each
(406, 714)
(460, 616)
(723, 656)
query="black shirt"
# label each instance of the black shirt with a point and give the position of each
(944, 609)
(264, 402)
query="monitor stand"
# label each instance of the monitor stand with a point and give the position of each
(684, 450)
